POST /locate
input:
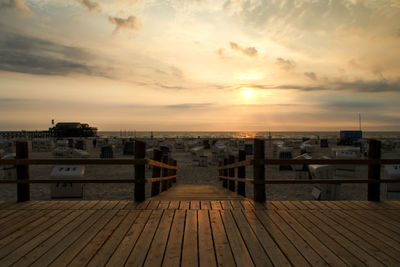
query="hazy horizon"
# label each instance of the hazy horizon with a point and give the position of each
(200, 65)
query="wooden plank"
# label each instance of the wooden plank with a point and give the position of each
(205, 205)
(106, 251)
(236, 204)
(349, 252)
(190, 249)
(153, 204)
(373, 236)
(138, 254)
(194, 205)
(131, 205)
(238, 246)
(128, 242)
(34, 231)
(216, 205)
(206, 245)
(317, 245)
(247, 205)
(122, 204)
(58, 249)
(223, 251)
(156, 251)
(18, 222)
(380, 257)
(163, 205)
(289, 205)
(310, 205)
(174, 246)
(83, 240)
(299, 205)
(378, 222)
(269, 205)
(253, 245)
(142, 205)
(279, 205)
(110, 205)
(382, 219)
(37, 252)
(174, 205)
(100, 205)
(84, 256)
(286, 246)
(184, 205)
(267, 242)
(305, 249)
(319, 205)
(27, 226)
(16, 217)
(226, 205)
(26, 247)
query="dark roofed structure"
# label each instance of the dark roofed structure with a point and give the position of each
(73, 129)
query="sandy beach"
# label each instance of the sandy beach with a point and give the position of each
(188, 173)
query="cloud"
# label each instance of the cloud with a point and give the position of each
(221, 52)
(90, 5)
(248, 51)
(19, 5)
(362, 86)
(131, 22)
(285, 64)
(311, 75)
(26, 54)
(190, 106)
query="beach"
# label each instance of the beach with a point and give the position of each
(189, 172)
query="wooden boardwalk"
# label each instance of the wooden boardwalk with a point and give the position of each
(225, 232)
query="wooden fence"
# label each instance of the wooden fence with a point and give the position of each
(229, 180)
(163, 173)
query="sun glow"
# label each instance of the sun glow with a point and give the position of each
(247, 93)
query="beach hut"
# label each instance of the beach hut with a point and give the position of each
(248, 148)
(324, 191)
(7, 146)
(346, 153)
(392, 190)
(107, 152)
(67, 190)
(179, 145)
(301, 170)
(129, 148)
(80, 144)
(9, 171)
(41, 145)
(324, 143)
(165, 148)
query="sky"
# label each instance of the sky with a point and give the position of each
(200, 65)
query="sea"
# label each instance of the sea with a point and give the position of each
(242, 134)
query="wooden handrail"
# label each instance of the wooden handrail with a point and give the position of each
(84, 181)
(251, 162)
(155, 163)
(313, 181)
(22, 162)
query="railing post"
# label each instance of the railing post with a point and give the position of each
(170, 172)
(259, 171)
(231, 184)
(224, 181)
(241, 186)
(155, 186)
(23, 192)
(140, 152)
(374, 170)
(164, 184)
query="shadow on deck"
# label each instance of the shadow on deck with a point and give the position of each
(183, 228)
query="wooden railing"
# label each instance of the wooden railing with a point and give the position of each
(163, 173)
(228, 166)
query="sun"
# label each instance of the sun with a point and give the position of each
(247, 93)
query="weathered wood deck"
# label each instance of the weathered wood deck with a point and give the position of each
(197, 232)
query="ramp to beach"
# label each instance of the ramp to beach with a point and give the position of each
(172, 230)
